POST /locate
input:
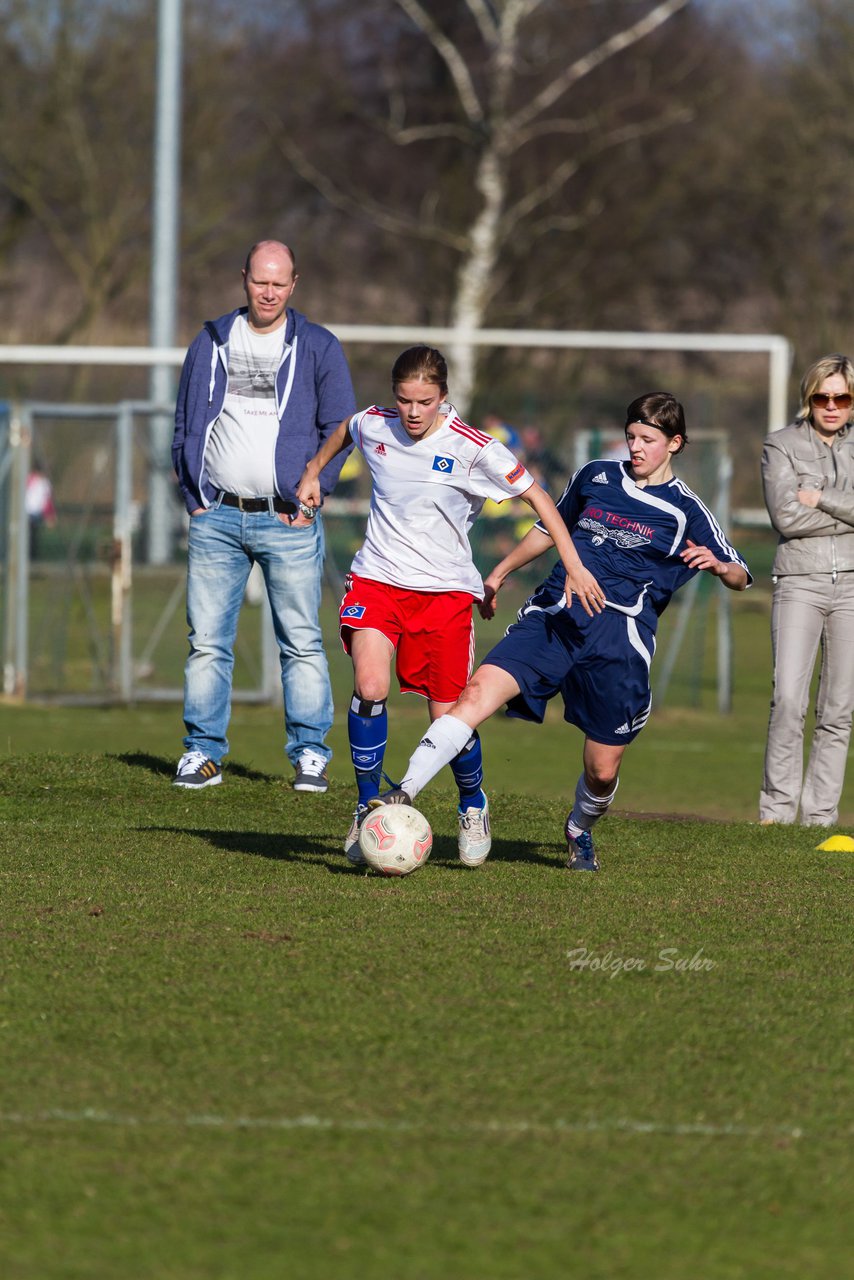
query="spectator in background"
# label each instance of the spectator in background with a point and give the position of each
(41, 510)
(808, 482)
(261, 389)
(540, 459)
(495, 426)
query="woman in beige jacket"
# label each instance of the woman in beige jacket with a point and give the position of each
(808, 482)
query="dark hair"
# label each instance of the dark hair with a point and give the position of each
(660, 409)
(424, 364)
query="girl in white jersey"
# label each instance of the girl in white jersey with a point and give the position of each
(413, 582)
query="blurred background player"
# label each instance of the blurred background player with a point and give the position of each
(41, 509)
(808, 481)
(412, 584)
(642, 533)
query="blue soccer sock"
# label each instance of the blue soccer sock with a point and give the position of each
(367, 728)
(467, 768)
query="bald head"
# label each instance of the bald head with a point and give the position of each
(269, 279)
(263, 246)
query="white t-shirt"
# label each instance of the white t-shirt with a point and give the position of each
(426, 496)
(240, 455)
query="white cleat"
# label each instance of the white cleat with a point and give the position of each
(475, 840)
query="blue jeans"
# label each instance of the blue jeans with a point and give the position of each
(223, 545)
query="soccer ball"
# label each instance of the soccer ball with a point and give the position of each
(395, 839)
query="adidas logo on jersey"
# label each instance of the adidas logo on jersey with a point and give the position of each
(380, 449)
(624, 728)
(600, 479)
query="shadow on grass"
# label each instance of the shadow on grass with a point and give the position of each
(164, 767)
(293, 847)
(143, 760)
(521, 851)
(285, 847)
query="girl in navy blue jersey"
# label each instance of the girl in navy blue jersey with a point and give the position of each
(642, 533)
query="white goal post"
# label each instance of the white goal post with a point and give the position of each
(775, 348)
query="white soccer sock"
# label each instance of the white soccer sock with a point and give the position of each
(588, 808)
(445, 739)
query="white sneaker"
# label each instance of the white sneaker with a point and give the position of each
(311, 773)
(196, 770)
(351, 840)
(475, 840)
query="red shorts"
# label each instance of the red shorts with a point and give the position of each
(432, 633)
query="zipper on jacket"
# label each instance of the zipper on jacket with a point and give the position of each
(833, 573)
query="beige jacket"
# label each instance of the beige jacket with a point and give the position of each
(812, 539)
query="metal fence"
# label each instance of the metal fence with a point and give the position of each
(85, 618)
(90, 616)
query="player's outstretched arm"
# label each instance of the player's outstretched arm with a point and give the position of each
(578, 579)
(534, 543)
(732, 575)
(308, 489)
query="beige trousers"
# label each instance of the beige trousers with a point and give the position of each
(809, 611)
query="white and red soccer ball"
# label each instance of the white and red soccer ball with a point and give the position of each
(395, 839)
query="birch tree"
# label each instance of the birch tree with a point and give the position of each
(520, 110)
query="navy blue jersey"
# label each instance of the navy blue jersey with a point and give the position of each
(630, 538)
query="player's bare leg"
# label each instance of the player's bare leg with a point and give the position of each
(372, 653)
(594, 793)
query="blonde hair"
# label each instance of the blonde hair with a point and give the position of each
(815, 375)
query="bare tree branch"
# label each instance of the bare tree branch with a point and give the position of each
(602, 142)
(584, 125)
(427, 133)
(451, 56)
(484, 16)
(363, 205)
(583, 66)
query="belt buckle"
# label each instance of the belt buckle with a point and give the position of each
(240, 506)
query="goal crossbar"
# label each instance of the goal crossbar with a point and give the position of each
(777, 348)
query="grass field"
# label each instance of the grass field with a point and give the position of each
(227, 1054)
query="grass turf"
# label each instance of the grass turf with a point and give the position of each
(228, 1054)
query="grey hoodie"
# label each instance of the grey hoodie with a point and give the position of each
(812, 539)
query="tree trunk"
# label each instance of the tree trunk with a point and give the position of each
(472, 293)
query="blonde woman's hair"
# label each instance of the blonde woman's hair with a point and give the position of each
(815, 375)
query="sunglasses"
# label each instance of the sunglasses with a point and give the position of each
(821, 400)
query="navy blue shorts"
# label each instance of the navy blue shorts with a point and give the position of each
(599, 665)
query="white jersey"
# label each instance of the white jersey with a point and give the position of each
(426, 496)
(240, 456)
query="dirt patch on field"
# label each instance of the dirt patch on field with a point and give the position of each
(663, 817)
